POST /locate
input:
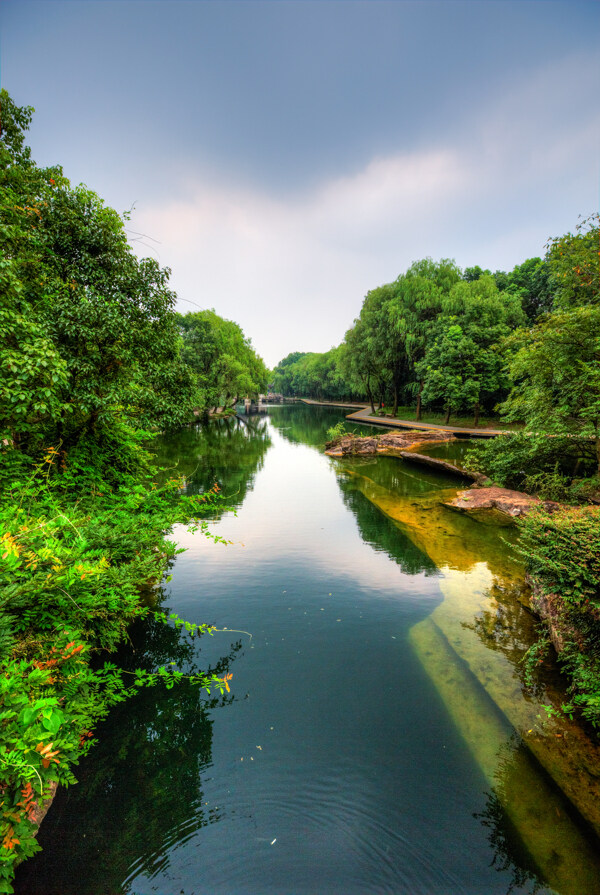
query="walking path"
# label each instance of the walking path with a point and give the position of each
(362, 414)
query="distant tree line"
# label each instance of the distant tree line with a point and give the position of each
(223, 362)
(445, 339)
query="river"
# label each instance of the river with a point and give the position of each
(379, 736)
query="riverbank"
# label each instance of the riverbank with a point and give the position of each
(77, 555)
(363, 414)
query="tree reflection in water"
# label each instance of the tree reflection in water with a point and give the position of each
(140, 789)
(227, 452)
(382, 534)
(308, 424)
(509, 854)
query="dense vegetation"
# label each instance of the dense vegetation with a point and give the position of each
(93, 359)
(225, 365)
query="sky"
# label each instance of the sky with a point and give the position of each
(283, 157)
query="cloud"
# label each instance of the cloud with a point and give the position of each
(293, 270)
(285, 268)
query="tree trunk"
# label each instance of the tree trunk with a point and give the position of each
(418, 413)
(447, 417)
(370, 397)
(477, 410)
(395, 407)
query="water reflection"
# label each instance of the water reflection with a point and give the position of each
(228, 452)
(140, 790)
(557, 850)
(382, 534)
(308, 424)
(509, 855)
(384, 700)
(472, 646)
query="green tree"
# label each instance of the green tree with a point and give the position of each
(532, 281)
(574, 260)
(360, 365)
(283, 373)
(556, 373)
(223, 361)
(464, 366)
(90, 341)
(415, 307)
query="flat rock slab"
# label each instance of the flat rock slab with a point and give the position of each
(494, 500)
(391, 443)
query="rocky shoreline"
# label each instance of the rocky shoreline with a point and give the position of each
(485, 501)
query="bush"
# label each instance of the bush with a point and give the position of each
(535, 463)
(337, 431)
(74, 553)
(563, 559)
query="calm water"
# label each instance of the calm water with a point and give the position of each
(378, 737)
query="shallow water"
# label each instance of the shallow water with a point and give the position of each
(378, 738)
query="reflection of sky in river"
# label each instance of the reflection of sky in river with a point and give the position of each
(295, 515)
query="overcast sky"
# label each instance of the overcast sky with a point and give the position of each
(286, 156)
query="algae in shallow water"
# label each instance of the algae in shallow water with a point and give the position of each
(470, 650)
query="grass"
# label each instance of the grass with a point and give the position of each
(462, 422)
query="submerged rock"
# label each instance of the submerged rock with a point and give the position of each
(497, 504)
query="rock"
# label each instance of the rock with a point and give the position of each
(497, 504)
(551, 608)
(390, 443)
(444, 466)
(42, 805)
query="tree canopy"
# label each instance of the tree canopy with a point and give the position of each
(225, 365)
(472, 341)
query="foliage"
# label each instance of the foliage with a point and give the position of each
(532, 283)
(141, 805)
(224, 364)
(314, 374)
(555, 370)
(509, 459)
(336, 431)
(563, 557)
(556, 373)
(282, 374)
(574, 260)
(463, 366)
(71, 574)
(89, 338)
